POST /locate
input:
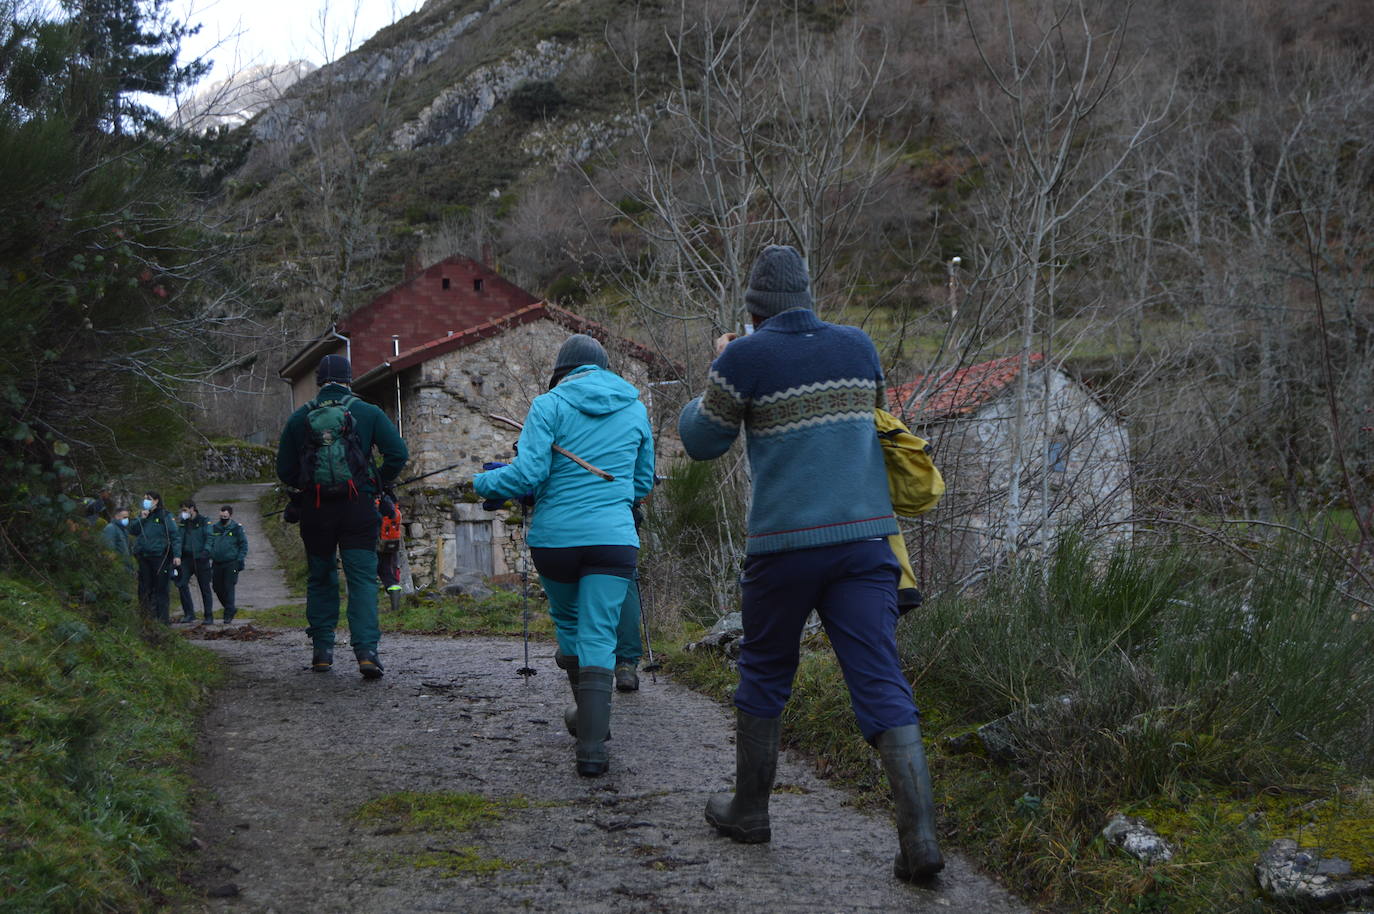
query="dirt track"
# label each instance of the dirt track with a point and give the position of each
(289, 755)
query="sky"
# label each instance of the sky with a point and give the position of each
(242, 33)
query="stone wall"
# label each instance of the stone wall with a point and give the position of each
(238, 462)
(447, 400)
(1075, 470)
(446, 403)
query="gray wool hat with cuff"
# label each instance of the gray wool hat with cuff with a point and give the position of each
(778, 282)
(576, 351)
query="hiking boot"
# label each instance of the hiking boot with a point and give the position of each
(209, 618)
(593, 720)
(370, 665)
(904, 760)
(744, 817)
(322, 661)
(626, 677)
(187, 620)
(229, 615)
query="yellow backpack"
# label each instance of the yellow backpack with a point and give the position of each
(915, 484)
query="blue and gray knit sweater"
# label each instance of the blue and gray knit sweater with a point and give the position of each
(805, 391)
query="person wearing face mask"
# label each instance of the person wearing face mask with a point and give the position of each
(115, 536)
(227, 547)
(158, 549)
(195, 560)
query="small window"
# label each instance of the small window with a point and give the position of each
(477, 285)
(446, 282)
(1058, 456)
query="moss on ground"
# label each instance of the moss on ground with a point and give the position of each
(439, 813)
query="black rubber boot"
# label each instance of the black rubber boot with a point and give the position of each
(593, 719)
(904, 760)
(744, 817)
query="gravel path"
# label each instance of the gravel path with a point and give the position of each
(288, 756)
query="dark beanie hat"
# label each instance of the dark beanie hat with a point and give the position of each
(778, 282)
(334, 368)
(576, 351)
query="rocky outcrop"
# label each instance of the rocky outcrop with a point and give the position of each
(1301, 876)
(462, 106)
(575, 141)
(235, 101)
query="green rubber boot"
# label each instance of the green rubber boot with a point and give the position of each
(570, 666)
(593, 719)
(744, 817)
(904, 760)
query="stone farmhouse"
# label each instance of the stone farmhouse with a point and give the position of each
(1073, 466)
(441, 353)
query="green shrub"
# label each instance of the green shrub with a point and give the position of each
(536, 99)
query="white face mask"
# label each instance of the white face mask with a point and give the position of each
(123, 522)
(185, 515)
(147, 504)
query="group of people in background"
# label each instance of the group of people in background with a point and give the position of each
(166, 548)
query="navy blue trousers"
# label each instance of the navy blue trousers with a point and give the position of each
(853, 587)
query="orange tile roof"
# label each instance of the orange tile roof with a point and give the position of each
(957, 392)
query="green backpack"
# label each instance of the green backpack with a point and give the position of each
(333, 461)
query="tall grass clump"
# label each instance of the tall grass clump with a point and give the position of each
(1129, 675)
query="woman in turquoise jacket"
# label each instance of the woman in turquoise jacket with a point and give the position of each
(582, 537)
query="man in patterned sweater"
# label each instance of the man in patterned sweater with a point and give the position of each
(805, 391)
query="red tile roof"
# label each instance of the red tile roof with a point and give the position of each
(954, 393)
(658, 366)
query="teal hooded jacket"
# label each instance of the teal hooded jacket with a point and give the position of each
(597, 415)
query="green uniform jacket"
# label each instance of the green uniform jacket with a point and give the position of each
(226, 542)
(374, 430)
(116, 538)
(195, 537)
(158, 534)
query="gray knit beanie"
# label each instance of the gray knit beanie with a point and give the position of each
(334, 368)
(576, 351)
(778, 282)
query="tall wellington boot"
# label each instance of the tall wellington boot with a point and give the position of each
(904, 760)
(593, 719)
(569, 665)
(744, 817)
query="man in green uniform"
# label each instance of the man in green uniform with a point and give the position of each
(195, 560)
(116, 537)
(226, 548)
(158, 548)
(326, 452)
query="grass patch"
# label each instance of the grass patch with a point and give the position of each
(286, 541)
(97, 726)
(410, 810)
(441, 812)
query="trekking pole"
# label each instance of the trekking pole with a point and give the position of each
(596, 471)
(654, 664)
(526, 671)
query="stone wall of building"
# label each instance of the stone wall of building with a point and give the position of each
(1074, 470)
(446, 404)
